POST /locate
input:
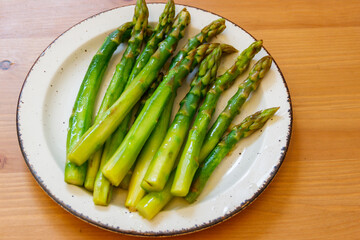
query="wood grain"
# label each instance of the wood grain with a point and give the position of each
(316, 193)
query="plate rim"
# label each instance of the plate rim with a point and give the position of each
(195, 228)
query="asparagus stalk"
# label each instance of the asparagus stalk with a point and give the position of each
(126, 181)
(122, 160)
(162, 164)
(247, 127)
(80, 119)
(160, 31)
(189, 160)
(234, 105)
(102, 187)
(209, 31)
(135, 192)
(154, 202)
(119, 80)
(111, 119)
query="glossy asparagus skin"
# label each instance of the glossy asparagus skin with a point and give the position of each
(136, 192)
(247, 127)
(125, 183)
(233, 107)
(153, 202)
(160, 31)
(189, 160)
(81, 117)
(102, 187)
(209, 31)
(111, 119)
(119, 80)
(162, 164)
(122, 160)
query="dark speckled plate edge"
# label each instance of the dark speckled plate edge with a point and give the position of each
(195, 228)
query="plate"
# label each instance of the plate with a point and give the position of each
(46, 101)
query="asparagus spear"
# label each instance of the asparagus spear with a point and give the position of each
(162, 164)
(126, 181)
(122, 160)
(135, 192)
(247, 127)
(160, 31)
(233, 106)
(119, 80)
(80, 119)
(209, 31)
(108, 122)
(154, 202)
(102, 187)
(189, 162)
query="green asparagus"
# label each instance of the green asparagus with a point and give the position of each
(154, 202)
(234, 104)
(81, 117)
(122, 160)
(97, 134)
(126, 181)
(135, 192)
(160, 31)
(102, 187)
(189, 160)
(248, 126)
(119, 80)
(209, 31)
(162, 164)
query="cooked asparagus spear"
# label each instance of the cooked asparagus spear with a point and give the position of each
(160, 31)
(102, 187)
(247, 127)
(154, 202)
(234, 105)
(111, 119)
(80, 119)
(209, 31)
(119, 80)
(122, 160)
(126, 181)
(189, 160)
(135, 192)
(162, 164)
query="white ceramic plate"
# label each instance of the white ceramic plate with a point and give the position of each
(46, 101)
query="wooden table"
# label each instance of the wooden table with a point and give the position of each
(316, 194)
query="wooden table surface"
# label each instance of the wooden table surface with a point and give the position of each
(315, 195)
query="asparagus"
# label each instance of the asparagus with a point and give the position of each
(80, 119)
(135, 192)
(233, 106)
(119, 80)
(189, 160)
(154, 202)
(162, 164)
(247, 127)
(102, 189)
(161, 29)
(122, 160)
(108, 122)
(126, 181)
(211, 30)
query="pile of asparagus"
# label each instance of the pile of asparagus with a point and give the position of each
(153, 159)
